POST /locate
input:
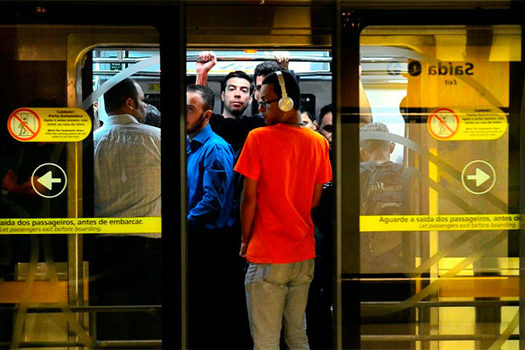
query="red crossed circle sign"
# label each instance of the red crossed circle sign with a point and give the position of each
(443, 123)
(24, 124)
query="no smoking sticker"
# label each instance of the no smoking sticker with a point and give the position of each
(443, 123)
(463, 124)
(24, 124)
(49, 124)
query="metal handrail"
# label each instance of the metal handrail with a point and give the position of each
(458, 303)
(97, 308)
(127, 344)
(432, 337)
(193, 58)
(103, 60)
(321, 59)
(439, 337)
(113, 72)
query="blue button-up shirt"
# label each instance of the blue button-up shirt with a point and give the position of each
(210, 162)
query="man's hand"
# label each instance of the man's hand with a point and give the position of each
(10, 183)
(244, 248)
(282, 58)
(248, 208)
(205, 62)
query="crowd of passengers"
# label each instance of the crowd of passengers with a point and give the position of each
(220, 211)
(259, 210)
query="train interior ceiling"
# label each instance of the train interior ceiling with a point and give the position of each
(440, 272)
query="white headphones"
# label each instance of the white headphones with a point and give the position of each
(285, 103)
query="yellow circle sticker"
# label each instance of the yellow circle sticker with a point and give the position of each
(463, 124)
(49, 124)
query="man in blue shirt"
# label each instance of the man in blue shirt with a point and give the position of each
(210, 162)
(211, 257)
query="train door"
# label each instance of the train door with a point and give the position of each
(53, 222)
(303, 32)
(437, 262)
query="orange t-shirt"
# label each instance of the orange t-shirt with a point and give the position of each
(286, 161)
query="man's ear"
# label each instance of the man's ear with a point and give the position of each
(207, 114)
(130, 103)
(392, 146)
(222, 96)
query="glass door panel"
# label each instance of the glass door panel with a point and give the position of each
(438, 264)
(53, 241)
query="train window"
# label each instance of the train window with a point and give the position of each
(80, 204)
(438, 216)
(109, 62)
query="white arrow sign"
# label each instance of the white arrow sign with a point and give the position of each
(481, 177)
(48, 180)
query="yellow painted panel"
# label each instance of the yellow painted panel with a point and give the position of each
(481, 287)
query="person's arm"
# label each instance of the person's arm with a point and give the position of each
(217, 178)
(205, 63)
(318, 191)
(324, 174)
(282, 58)
(10, 183)
(248, 207)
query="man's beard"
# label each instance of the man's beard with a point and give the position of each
(196, 127)
(237, 113)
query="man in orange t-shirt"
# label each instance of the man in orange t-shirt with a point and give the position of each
(285, 166)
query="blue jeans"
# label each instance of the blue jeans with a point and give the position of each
(277, 294)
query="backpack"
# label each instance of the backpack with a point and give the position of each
(384, 191)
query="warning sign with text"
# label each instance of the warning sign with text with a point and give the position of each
(464, 124)
(49, 124)
(113, 226)
(482, 222)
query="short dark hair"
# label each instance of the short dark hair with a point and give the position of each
(266, 68)
(304, 110)
(236, 74)
(291, 85)
(206, 93)
(324, 110)
(118, 94)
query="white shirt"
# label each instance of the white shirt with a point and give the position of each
(127, 169)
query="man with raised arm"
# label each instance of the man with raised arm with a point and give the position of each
(236, 94)
(234, 125)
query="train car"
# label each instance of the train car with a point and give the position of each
(422, 222)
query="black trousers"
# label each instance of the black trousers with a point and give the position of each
(217, 314)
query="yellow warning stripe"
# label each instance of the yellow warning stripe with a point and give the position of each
(484, 222)
(136, 225)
